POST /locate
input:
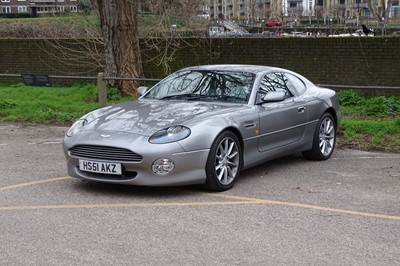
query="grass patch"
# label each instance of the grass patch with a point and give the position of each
(369, 123)
(50, 105)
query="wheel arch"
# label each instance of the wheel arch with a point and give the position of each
(238, 135)
(217, 173)
(332, 112)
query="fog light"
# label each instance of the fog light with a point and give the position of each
(163, 166)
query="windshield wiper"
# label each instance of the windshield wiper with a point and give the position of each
(194, 96)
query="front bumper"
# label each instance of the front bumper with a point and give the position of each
(189, 165)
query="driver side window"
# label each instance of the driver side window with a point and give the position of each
(274, 82)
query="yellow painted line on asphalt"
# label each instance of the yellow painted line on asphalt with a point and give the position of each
(304, 206)
(238, 201)
(333, 210)
(34, 183)
(189, 204)
(121, 205)
(226, 196)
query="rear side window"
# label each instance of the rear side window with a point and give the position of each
(295, 85)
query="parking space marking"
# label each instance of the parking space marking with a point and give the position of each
(305, 206)
(238, 200)
(51, 142)
(34, 183)
(45, 143)
(206, 203)
(367, 157)
(121, 205)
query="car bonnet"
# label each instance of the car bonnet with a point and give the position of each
(145, 117)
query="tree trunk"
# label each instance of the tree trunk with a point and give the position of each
(381, 10)
(118, 21)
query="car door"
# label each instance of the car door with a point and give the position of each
(281, 123)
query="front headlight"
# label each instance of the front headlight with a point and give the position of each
(170, 134)
(78, 125)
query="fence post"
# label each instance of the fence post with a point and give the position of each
(102, 87)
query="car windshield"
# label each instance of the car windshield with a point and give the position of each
(199, 85)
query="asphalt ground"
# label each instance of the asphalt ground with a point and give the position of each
(344, 211)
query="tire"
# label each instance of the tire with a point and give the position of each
(324, 139)
(224, 162)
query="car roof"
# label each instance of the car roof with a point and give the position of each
(230, 67)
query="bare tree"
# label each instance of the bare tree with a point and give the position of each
(73, 45)
(188, 9)
(252, 7)
(118, 21)
(261, 10)
(277, 9)
(119, 35)
(163, 38)
(381, 10)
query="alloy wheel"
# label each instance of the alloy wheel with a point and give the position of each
(227, 161)
(327, 136)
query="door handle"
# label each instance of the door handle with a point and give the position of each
(301, 109)
(249, 125)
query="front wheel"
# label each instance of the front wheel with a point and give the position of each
(324, 139)
(224, 162)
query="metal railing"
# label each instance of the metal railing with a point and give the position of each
(83, 77)
(351, 87)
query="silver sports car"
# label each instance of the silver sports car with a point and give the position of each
(203, 125)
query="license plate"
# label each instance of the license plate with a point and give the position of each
(100, 167)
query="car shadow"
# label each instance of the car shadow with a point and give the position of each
(124, 191)
(271, 166)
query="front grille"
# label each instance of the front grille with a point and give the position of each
(105, 153)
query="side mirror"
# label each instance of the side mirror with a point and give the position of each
(274, 96)
(142, 90)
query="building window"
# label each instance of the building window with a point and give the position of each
(60, 9)
(73, 8)
(46, 9)
(41, 9)
(5, 1)
(5, 9)
(22, 9)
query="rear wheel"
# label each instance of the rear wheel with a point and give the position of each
(324, 139)
(224, 162)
